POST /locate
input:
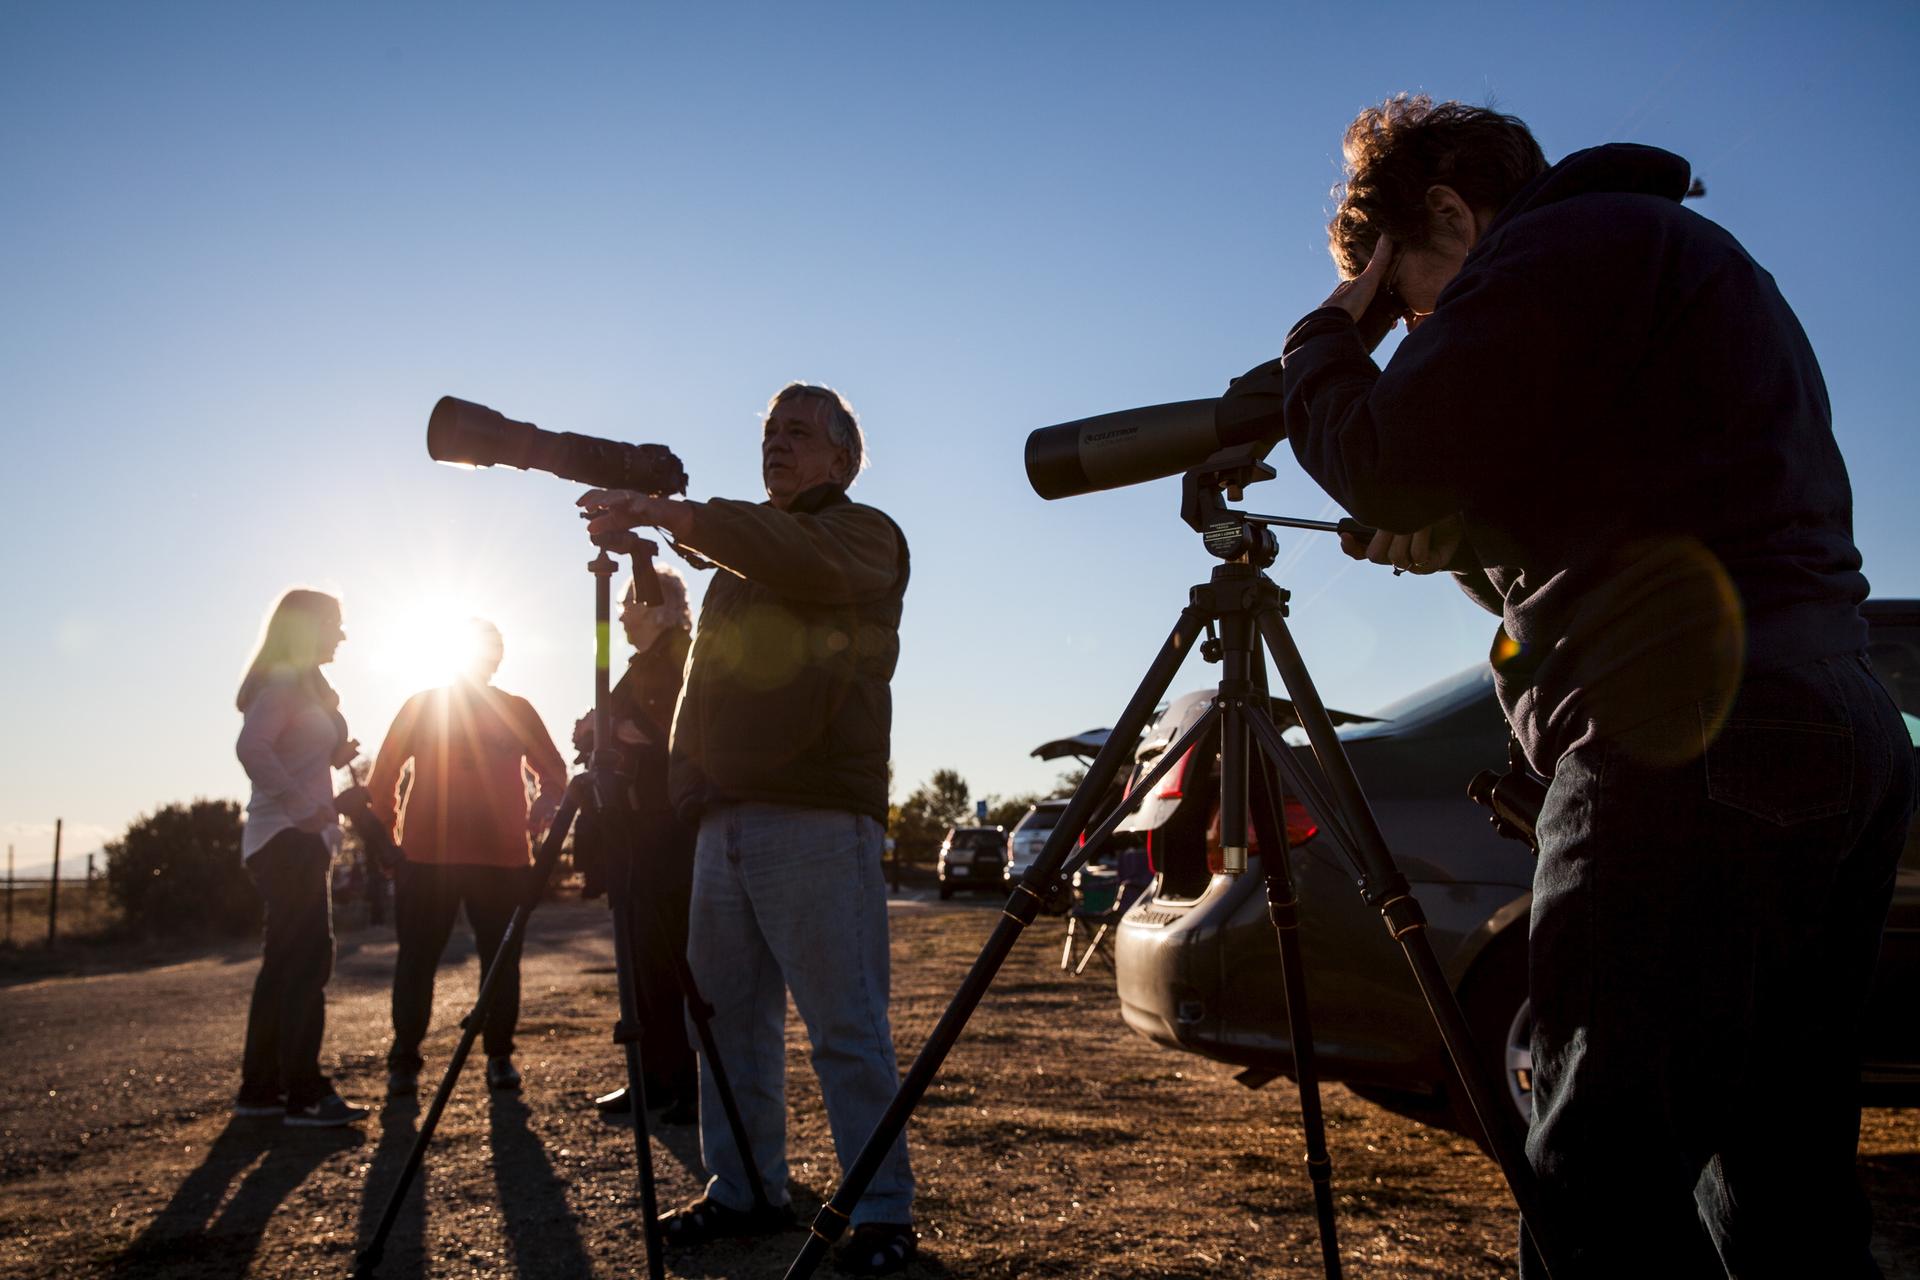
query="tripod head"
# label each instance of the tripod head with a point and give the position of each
(1242, 536)
(1204, 493)
(625, 542)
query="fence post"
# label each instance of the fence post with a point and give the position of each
(53, 887)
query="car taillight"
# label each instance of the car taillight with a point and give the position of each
(1300, 828)
(1153, 866)
(1300, 824)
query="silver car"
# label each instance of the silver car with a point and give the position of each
(1030, 836)
(1198, 968)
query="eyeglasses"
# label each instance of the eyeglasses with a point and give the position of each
(1390, 294)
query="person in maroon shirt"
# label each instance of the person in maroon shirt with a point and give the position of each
(463, 828)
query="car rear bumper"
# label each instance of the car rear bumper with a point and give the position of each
(1160, 996)
(979, 873)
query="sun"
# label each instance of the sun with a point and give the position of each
(426, 644)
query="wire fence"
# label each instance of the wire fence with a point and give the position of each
(40, 911)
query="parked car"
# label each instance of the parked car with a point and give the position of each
(1030, 836)
(971, 858)
(1197, 965)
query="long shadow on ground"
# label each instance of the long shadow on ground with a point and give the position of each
(200, 1236)
(404, 1251)
(541, 1228)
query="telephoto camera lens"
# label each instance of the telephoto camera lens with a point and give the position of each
(473, 435)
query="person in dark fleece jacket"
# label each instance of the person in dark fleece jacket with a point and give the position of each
(1606, 421)
(779, 757)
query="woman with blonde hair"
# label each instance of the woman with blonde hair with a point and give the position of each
(291, 738)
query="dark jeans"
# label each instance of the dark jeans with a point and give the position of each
(1702, 942)
(662, 891)
(427, 896)
(288, 1014)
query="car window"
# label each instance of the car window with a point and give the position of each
(1042, 819)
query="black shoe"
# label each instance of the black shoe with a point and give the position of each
(700, 1221)
(329, 1112)
(616, 1103)
(877, 1249)
(259, 1108)
(502, 1075)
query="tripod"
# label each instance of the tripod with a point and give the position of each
(1241, 611)
(602, 791)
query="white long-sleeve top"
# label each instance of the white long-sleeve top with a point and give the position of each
(286, 745)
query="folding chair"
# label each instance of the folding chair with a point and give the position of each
(1100, 898)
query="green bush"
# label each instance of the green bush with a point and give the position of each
(177, 872)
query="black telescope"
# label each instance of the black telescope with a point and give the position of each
(473, 435)
(1116, 449)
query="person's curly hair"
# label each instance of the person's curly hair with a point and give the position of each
(1408, 143)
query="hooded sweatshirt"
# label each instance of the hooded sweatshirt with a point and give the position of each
(1628, 416)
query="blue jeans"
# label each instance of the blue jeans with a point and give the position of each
(793, 899)
(1702, 941)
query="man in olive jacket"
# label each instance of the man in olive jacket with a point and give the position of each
(779, 755)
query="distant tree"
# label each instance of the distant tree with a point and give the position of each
(1068, 782)
(177, 872)
(949, 803)
(923, 817)
(1004, 811)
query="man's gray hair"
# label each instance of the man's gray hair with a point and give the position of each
(843, 427)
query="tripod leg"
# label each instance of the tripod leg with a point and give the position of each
(701, 1014)
(509, 954)
(1283, 909)
(1244, 706)
(1021, 909)
(627, 1035)
(1385, 888)
(1066, 952)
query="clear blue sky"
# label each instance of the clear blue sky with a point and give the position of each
(243, 249)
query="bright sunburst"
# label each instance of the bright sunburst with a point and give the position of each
(425, 644)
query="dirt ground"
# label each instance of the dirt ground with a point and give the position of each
(1054, 1143)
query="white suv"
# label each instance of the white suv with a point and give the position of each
(1030, 836)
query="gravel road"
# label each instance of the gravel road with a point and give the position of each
(1054, 1143)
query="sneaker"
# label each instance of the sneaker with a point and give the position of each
(329, 1112)
(502, 1074)
(616, 1103)
(260, 1108)
(402, 1084)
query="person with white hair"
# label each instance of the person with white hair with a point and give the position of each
(640, 707)
(779, 755)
